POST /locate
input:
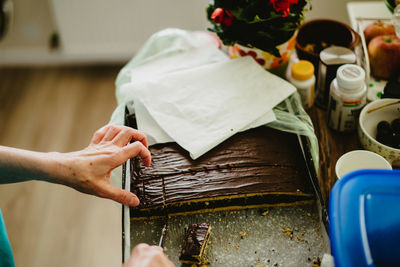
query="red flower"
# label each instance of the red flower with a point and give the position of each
(222, 16)
(283, 5)
(227, 19)
(218, 15)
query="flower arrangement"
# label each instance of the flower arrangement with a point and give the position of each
(262, 24)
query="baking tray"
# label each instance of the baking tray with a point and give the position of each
(276, 236)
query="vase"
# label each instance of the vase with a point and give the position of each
(276, 65)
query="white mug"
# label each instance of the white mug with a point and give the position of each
(358, 160)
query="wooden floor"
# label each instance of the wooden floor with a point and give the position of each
(57, 109)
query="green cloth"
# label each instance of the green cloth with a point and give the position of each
(6, 256)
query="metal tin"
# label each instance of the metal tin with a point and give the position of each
(331, 59)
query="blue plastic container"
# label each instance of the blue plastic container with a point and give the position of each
(364, 214)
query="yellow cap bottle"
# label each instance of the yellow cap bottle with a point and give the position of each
(303, 78)
(302, 70)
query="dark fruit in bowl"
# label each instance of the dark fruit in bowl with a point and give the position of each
(389, 133)
(396, 126)
(396, 141)
(384, 127)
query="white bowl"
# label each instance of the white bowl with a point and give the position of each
(358, 160)
(368, 123)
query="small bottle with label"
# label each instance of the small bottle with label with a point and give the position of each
(330, 59)
(303, 78)
(347, 97)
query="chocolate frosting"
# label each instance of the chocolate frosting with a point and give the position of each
(261, 160)
(194, 240)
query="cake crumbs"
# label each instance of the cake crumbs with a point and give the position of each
(243, 235)
(288, 231)
(317, 262)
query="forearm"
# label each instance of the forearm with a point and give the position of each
(87, 170)
(17, 165)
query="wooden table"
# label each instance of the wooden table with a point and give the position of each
(332, 145)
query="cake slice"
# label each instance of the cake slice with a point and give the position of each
(258, 168)
(195, 244)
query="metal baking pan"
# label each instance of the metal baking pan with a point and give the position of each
(276, 236)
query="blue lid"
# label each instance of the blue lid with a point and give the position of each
(364, 214)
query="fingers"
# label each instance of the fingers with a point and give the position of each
(144, 255)
(111, 132)
(119, 195)
(119, 135)
(99, 134)
(132, 150)
(127, 134)
(143, 246)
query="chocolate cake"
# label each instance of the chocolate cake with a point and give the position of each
(195, 244)
(261, 167)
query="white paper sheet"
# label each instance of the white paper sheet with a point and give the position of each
(201, 107)
(156, 135)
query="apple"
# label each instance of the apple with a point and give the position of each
(378, 28)
(384, 56)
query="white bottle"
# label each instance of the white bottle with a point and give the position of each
(303, 78)
(347, 97)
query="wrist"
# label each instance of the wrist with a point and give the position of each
(55, 167)
(40, 166)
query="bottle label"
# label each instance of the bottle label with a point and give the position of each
(307, 96)
(342, 115)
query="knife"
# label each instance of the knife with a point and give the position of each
(163, 232)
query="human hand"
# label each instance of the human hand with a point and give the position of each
(144, 255)
(89, 170)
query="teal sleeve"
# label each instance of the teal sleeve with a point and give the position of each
(6, 256)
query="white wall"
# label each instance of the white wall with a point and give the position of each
(333, 9)
(108, 31)
(31, 27)
(119, 27)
